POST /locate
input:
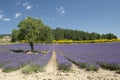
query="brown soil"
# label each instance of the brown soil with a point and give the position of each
(51, 67)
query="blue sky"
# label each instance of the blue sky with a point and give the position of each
(101, 16)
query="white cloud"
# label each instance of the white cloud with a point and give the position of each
(61, 10)
(17, 15)
(29, 7)
(1, 16)
(6, 19)
(25, 4)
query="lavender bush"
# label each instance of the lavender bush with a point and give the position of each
(63, 63)
(20, 62)
(38, 65)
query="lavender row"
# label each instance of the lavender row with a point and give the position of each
(19, 62)
(42, 61)
(107, 55)
(63, 63)
(83, 63)
(38, 65)
(6, 57)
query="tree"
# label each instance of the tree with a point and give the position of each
(94, 36)
(111, 36)
(58, 34)
(33, 30)
(14, 35)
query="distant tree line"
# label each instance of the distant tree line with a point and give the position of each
(2, 35)
(69, 34)
(60, 34)
(34, 30)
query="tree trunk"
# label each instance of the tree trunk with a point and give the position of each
(31, 46)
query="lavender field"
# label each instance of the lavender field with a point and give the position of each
(93, 56)
(85, 56)
(14, 56)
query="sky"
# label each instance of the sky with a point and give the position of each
(100, 16)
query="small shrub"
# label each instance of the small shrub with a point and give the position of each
(11, 66)
(82, 65)
(92, 68)
(30, 69)
(110, 66)
(113, 67)
(64, 67)
(7, 70)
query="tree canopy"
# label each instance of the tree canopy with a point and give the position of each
(32, 30)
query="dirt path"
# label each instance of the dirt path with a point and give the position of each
(52, 64)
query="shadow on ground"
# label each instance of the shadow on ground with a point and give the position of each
(18, 51)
